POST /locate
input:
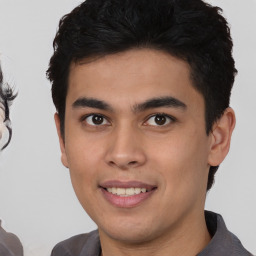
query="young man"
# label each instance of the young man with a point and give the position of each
(10, 245)
(142, 94)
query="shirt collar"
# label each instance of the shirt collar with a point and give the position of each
(223, 241)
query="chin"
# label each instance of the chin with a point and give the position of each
(131, 232)
(130, 237)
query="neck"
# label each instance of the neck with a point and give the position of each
(188, 239)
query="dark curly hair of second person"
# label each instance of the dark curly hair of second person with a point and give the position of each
(192, 30)
(6, 98)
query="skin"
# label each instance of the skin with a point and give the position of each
(129, 145)
(2, 116)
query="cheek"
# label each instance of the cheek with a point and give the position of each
(84, 159)
(83, 167)
(182, 162)
(83, 154)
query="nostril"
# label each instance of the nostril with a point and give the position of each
(111, 163)
(132, 162)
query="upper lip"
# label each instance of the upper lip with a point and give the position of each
(126, 184)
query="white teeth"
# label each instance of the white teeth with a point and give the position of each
(129, 191)
(137, 191)
(143, 190)
(126, 191)
(120, 191)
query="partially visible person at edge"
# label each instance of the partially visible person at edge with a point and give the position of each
(142, 91)
(10, 245)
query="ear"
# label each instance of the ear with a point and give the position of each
(221, 137)
(61, 141)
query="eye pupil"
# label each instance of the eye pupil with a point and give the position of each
(160, 120)
(97, 119)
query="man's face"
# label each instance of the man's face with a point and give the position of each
(135, 143)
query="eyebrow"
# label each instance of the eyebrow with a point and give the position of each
(160, 102)
(91, 103)
(151, 103)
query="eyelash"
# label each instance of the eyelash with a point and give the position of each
(105, 119)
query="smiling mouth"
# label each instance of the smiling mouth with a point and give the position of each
(125, 192)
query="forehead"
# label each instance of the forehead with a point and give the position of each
(131, 76)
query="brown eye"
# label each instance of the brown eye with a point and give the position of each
(159, 120)
(95, 120)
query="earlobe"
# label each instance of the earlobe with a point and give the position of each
(61, 141)
(221, 137)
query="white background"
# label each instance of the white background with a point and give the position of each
(37, 201)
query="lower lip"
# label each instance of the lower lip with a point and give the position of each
(126, 201)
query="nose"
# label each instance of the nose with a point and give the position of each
(125, 149)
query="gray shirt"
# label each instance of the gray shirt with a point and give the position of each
(10, 245)
(223, 242)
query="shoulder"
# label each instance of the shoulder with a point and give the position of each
(238, 248)
(223, 241)
(76, 245)
(9, 244)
